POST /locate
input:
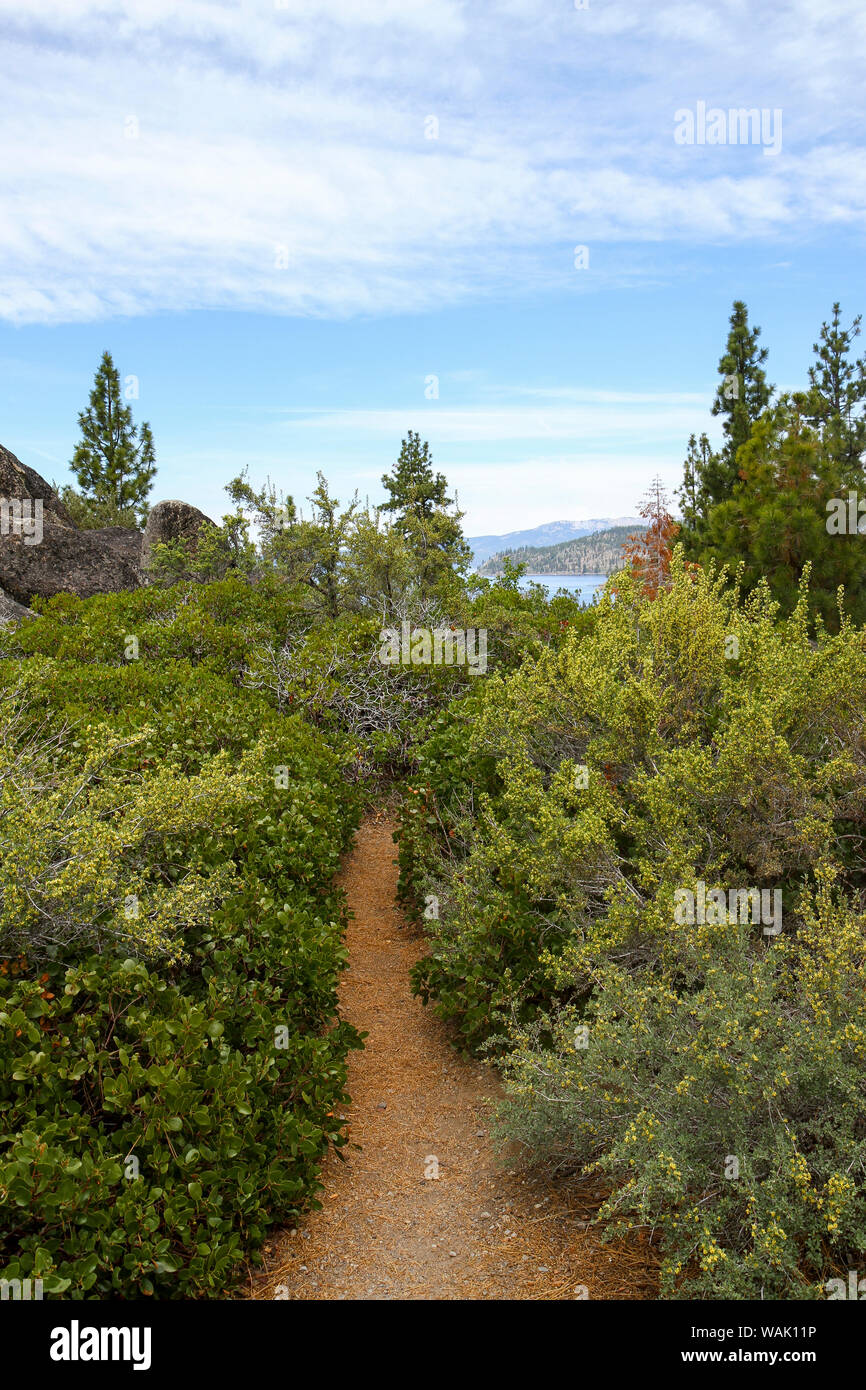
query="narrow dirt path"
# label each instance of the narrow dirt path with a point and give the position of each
(390, 1228)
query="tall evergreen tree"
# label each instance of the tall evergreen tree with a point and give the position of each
(742, 396)
(775, 524)
(692, 495)
(414, 490)
(837, 395)
(419, 499)
(114, 461)
(787, 466)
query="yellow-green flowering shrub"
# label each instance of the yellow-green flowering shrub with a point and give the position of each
(690, 740)
(722, 1094)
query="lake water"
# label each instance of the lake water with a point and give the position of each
(583, 586)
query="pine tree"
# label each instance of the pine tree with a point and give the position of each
(114, 462)
(775, 524)
(742, 396)
(419, 498)
(837, 395)
(414, 489)
(692, 495)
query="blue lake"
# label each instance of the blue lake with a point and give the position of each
(583, 586)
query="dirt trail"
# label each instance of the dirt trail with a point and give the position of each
(389, 1229)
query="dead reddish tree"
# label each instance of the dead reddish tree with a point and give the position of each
(649, 556)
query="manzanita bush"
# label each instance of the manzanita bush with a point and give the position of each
(172, 1067)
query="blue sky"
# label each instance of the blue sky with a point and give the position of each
(243, 202)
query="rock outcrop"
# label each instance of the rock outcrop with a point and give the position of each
(20, 482)
(68, 561)
(10, 611)
(171, 521)
(43, 552)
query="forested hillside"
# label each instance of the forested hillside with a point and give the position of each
(600, 553)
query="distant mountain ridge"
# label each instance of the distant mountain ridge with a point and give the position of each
(598, 553)
(552, 533)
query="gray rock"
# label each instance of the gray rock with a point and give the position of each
(12, 612)
(65, 559)
(122, 541)
(19, 481)
(171, 521)
(47, 554)
(68, 561)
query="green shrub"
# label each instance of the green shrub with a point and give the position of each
(170, 1077)
(106, 1062)
(692, 738)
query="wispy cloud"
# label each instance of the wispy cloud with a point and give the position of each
(260, 155)
(643, 420)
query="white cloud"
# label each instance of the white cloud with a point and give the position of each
(303, 127)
